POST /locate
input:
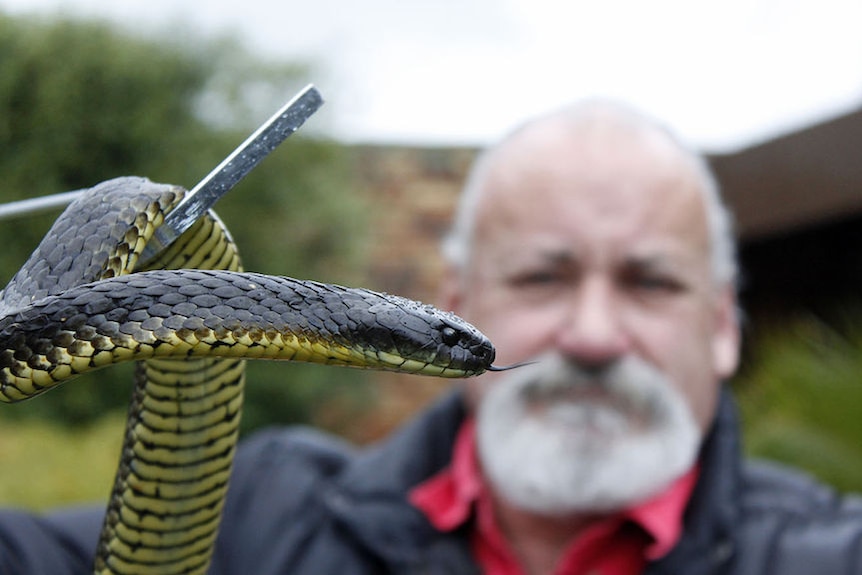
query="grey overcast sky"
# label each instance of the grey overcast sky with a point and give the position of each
(724, 74)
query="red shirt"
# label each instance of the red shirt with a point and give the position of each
(617, 545)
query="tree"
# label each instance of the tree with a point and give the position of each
(82, 102)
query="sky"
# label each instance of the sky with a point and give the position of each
(723, 74)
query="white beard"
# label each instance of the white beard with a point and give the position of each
(554, 439)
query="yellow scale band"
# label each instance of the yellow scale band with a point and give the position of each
(183, 439)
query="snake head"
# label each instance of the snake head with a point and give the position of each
(433, 341)
(395, 333)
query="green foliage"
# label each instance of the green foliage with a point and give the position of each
(82, 102)
(800, 400)
(45, 465)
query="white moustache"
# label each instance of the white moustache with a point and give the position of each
(629, 384)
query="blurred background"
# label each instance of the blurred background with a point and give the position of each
(770, 90)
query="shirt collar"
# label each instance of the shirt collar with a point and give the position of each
(447, 499)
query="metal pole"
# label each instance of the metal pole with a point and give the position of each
(38, 205)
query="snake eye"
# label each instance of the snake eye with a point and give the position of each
(450, 336)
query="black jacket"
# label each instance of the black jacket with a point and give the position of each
(304, 503)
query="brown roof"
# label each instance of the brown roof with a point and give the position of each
(801, 179)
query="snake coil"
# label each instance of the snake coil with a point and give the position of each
(76, 306)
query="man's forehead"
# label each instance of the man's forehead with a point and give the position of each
(608, 164)
(617, 185)
(618, 212)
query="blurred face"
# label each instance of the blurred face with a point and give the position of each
(592, 252)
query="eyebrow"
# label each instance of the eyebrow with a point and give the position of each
(647, 260)
(663, 262)
(652, 259)
(558, 256)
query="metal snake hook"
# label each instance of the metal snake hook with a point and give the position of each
(217, 183)
(233, 169)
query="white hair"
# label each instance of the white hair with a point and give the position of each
(458, 243)
(556, 457)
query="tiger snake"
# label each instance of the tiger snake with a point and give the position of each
(79, 303)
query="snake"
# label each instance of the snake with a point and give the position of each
(84, 300)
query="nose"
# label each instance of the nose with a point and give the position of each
(592, 331)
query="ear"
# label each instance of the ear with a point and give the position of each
(727, 337)
(450, 294)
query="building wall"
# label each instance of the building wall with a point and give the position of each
(412, 194)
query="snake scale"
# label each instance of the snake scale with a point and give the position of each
(79, 303)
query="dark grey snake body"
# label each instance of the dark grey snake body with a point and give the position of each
(76, 306)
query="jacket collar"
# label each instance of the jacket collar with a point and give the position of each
(708, 542)
(370, 496)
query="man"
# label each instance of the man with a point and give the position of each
(592, 244)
